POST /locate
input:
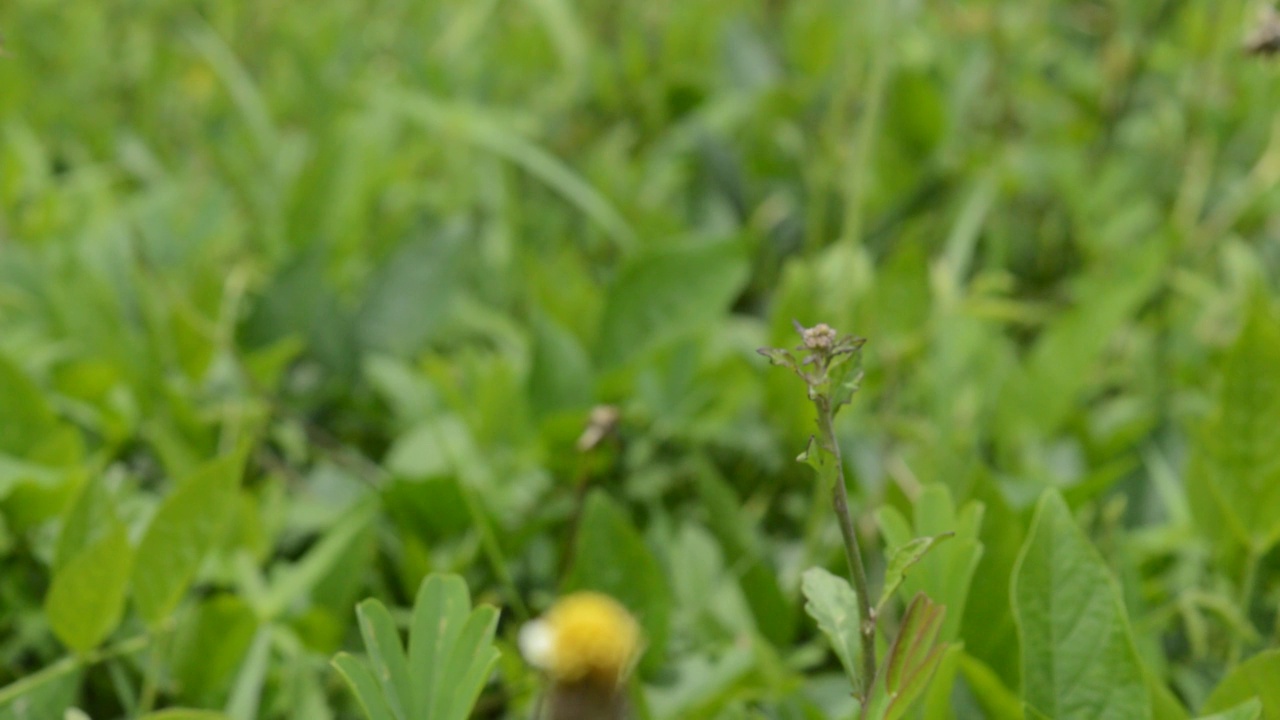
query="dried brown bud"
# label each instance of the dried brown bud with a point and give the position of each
(819, 337)
(1265, 38)
(603, 421)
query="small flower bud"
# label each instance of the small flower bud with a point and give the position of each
(819, 337)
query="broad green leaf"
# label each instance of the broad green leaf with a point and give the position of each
(184, 529)
(86, 598)
(1253, 678)
(1235, 470)
(834, 605)
(611, 557)
(1078, 657)
(901, 559)
(661, 294)
(91, 516)
(1248, 710)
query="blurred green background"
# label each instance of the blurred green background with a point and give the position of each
(386, 257)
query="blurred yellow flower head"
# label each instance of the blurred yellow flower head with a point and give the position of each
(587, 637)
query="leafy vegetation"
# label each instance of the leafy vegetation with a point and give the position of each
(323, 321)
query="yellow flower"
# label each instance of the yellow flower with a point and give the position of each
(585, 637)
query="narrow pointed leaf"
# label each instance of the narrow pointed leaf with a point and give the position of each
(438, 611)
(365, 687)
(470, 663)
(902, 559)
(386, 655)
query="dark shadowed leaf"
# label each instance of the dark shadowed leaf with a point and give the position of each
(659, 295)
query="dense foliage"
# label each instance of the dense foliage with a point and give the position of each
(301, 302)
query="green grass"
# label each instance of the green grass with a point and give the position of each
(353, 274)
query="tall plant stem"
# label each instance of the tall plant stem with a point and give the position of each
(840, 500)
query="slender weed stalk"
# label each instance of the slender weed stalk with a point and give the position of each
(829, 366)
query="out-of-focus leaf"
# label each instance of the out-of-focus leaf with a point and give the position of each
(1235, 470)
(91, 516)
(662, 294)
(561, 375)
(293, 581)
(208, 646)
(245, 699)
(27, 418)
(45, 693)
(451, 655)
(772, 609)
(1042, 393)
(998, 701)
(1248, 710)
(184, 529)
(184, 714)
(611, 557)
(86, 598)
(410, 297)
(1253, 678)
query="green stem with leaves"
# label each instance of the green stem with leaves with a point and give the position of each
(840, 500)
(828, 364)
